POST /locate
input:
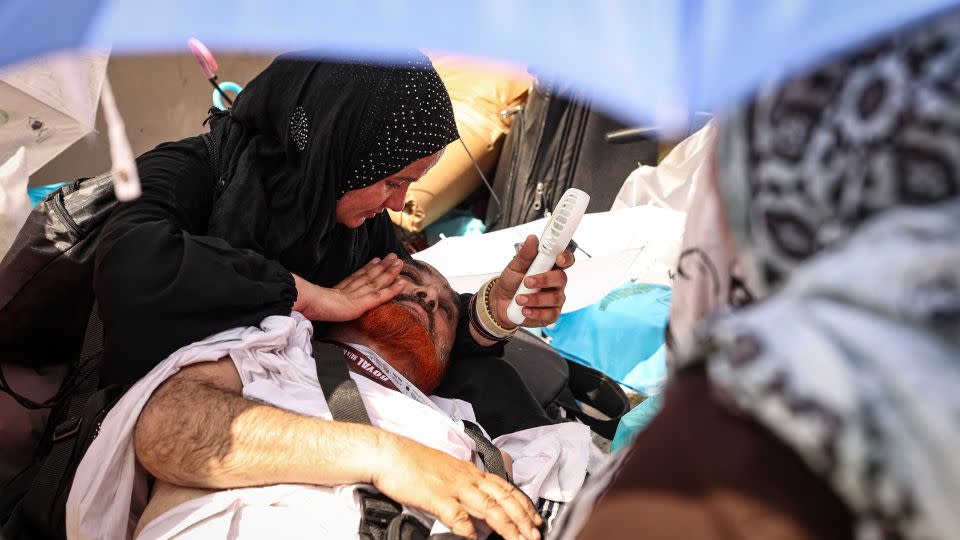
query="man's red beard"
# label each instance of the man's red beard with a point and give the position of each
(403, 342)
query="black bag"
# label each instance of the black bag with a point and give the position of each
(567, 389)
(46, 287)
(555, 143)
(46, 279)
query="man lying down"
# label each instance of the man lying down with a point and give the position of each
(232, 481)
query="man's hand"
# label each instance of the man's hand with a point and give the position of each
(540, 308)
(371, 286)
(453, 490)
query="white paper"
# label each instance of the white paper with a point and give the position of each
(633, 243)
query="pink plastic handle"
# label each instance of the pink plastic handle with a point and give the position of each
(208, 64)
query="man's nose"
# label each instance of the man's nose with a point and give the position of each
(429, 296)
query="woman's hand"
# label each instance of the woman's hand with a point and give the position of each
(373, 285)
(540, 308)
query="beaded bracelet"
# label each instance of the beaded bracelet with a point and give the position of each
(475, 324)
(481, 316)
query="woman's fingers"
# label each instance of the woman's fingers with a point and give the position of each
(381, 276)
(385, 294)
(372, 274)
(361, 271)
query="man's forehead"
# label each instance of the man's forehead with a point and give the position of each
(425, 270)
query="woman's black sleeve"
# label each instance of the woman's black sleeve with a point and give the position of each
(160, 283)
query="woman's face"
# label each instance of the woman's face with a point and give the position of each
(358, 205)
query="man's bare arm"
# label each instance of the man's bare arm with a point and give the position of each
(197, 430)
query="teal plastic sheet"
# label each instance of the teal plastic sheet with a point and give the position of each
(622, 335)
(636, 421)
(456, 222)
(38, 193)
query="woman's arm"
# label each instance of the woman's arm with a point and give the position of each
(161, 282)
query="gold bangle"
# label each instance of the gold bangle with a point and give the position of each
(485, 314)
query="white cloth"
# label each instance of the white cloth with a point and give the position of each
(14, 200)
(672, 183)
(276, 366)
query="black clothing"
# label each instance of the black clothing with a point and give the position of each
(305, 132)
(502, 402)
(163, 282)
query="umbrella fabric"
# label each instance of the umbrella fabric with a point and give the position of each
(48, 104)
(646, 59)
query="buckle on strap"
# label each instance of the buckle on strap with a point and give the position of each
(68, 428)
(377, 511)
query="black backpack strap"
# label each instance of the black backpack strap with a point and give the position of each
(343, 396)
(86, 365)
(600, 392)
(489, 454)
(39, 504)
(377, 511)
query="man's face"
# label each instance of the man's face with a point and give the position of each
(415, 331)
(433, 302)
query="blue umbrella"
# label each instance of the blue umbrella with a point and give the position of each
(645, 59)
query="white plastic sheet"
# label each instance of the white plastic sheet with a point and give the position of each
(634, 243)
(671, 184)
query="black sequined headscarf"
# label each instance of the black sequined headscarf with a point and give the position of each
(304, 132)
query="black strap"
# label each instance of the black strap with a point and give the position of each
(79, 370)
(343, 396)
(39, 501)
(596, 389)
(489, 454)
(377, 513)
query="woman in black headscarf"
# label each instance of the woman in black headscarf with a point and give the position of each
(279, 208)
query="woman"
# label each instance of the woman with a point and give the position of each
(821, 411)
(280, 207)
